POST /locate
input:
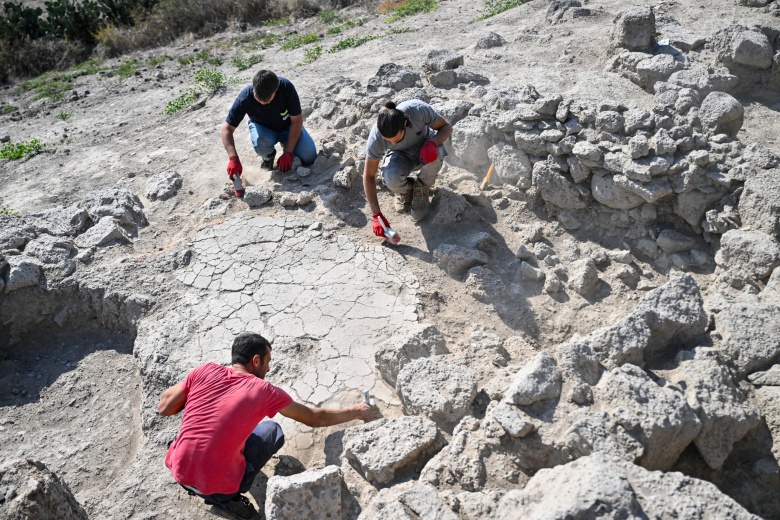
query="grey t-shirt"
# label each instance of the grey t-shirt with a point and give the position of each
(420, 114)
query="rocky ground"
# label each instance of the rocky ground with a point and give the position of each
(593, 335)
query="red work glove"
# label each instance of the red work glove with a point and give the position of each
(428, 154)
(285, 162)
(378, 229)
(234, 166)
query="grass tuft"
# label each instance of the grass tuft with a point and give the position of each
(410, 8)
(311, 55)
(186, 98)
(494, 7)
(352, 42)
(298, 41)
(126, 69)
(6, 211)
(276, 22)
(241, 62)
(21, 150)
(64, 115)
(153, 61)
(328, 17)
(8, 109)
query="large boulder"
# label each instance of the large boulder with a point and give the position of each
(163, 185)
(748, 334)
(557, 189)
(23, 271)
(512, 166)
(470, 143)
(739, 45)
(606, 191)
(538, 380)
(440, 391)
(759, 205)
(32, 492)
(583, 276)
(378, 449)
(754, 251)
(456, 260)
(414, 341)
(721, 113)
(658, 418)
(315, 493)
(724, 412)
(602, 486)
(119, 203)
(635, 29)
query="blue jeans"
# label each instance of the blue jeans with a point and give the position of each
(266, 439)
(264, 139)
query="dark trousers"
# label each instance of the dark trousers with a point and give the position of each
(266, 439)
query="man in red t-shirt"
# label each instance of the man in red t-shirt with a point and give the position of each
(222, 445)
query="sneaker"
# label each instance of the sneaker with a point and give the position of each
(268, 161)
(238, 507)
(421, 201)
(402, 203)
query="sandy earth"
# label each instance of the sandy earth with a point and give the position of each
(73, 397)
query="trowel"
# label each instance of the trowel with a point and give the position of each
(391, 234)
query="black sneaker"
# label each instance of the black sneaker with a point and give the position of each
(268, 161)
(238, 507)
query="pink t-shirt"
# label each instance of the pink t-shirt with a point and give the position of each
(222, 409)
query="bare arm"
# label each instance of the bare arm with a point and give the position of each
(369, 183)
(319, 417)
(296, 124)
(172, 401)
(227, 139)
(443, 130)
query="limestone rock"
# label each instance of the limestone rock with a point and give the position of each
(672, 242)
(424, 501)
(607, 487)
(490, 41)
(583, 276)
(606, 191)
(769, 377)
(439, 60)
(512, 166)
(754, 251)
(256, 196)
(119, 203)
(658, 418)
(450, 207)
(749, 335)
(23, 271)
(759, 205)
(470, 143)
(484, 285)
(378, 449)
(556, 189)
(738, 45)
(455, 260)
(440, 391)
(722, 408)
(32, 492)
(396, 77)
(721, 113)
(635, 29)
(105, 231)
(163, 185)
(538, 380)
(511, 421)
(414, 341)
(315, 493)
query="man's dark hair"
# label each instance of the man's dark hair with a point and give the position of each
(390, 120)
(246, 345)
(265, 84)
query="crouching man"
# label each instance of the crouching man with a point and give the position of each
(410, 138)
(222, 445)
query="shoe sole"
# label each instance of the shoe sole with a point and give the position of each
(224, 513)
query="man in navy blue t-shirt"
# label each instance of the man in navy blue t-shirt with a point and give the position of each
(275, 116)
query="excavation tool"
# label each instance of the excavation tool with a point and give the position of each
(238, 186)
(368, 399)
(391, 234)
(487, 177)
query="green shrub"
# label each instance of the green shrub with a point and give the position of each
(88, 68)
(298, 41)
(6, 211)
(153, 61)
(186, 60)
(311, 55)
(244, 62)
(334, 30)
(349, 43)
(327, 17)
(48, 86)
(494, 7)
(126, 69)
(64, 115)
(410, 8)
(183, 101)
(8, 109)
(276, 22)
(209, 80)
(21, 150)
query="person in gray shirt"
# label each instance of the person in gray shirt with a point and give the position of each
(409, 137)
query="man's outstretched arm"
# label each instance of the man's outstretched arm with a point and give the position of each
(319, 417)
(172, 401)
